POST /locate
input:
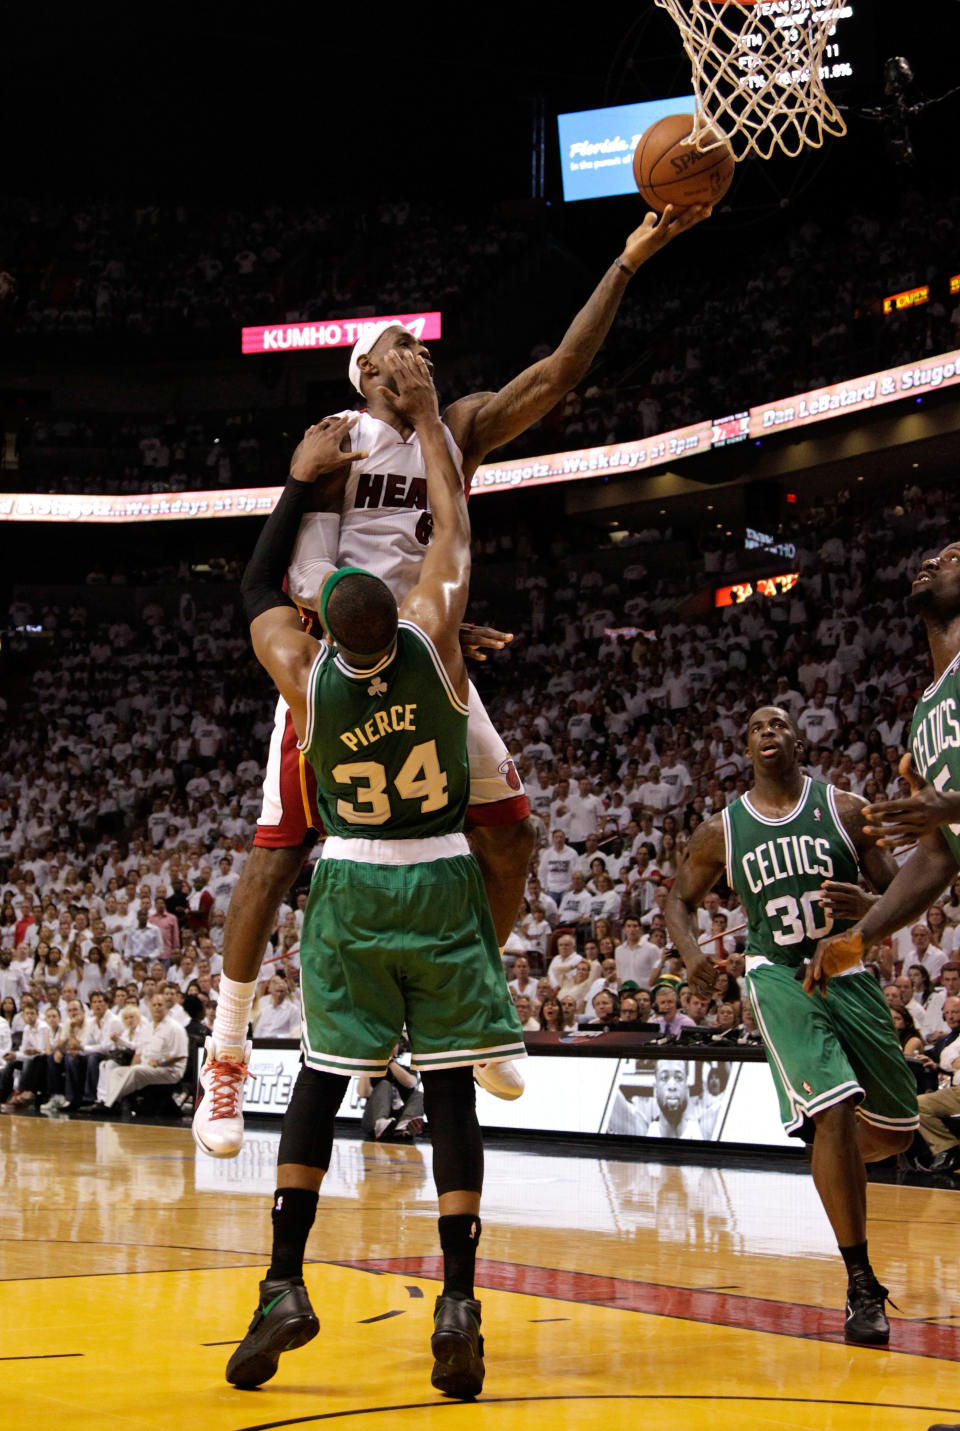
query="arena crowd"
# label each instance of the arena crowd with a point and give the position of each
(131, 770)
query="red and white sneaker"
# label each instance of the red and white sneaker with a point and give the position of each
(218, 1121)
(503, 1080)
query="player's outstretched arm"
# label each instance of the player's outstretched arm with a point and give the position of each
(279, 642)
(850, 901)
(917, 884)
(702, 867)
(897, 823)
(484, 421)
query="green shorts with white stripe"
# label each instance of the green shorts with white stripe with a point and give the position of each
(385, 945)
(823, 1050)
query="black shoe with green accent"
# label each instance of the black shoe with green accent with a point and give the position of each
(866, 1319)
(457, 1347)
(283, 1320)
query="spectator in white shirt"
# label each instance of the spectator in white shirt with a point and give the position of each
(605, 903)
(146, 941)
(577, 983)
(817, 722)
(98, 1036)
(278, 1016)
(160, 1058)
(522, 982)
(636, 958)
(575, 904)
(223, 883)
(922, 950)
(606, 979)
(557, 864)
(524, 1010)
(561, 807)
(173, 998)
(14, 978)
(653, 794)
(536, 894)
(933, 1023)
(534, 930)
(942, 933)
(676, 777)
(564, 961)
(710, 907)
(34, 1043)
(587, 814)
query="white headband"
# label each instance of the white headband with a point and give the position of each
(370, 335)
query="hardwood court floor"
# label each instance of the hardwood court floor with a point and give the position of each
(614, 1293)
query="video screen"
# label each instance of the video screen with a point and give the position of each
(670, 1098)
(596, 145)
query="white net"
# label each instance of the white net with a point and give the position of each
(757, 71)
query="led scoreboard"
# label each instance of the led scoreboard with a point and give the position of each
(847, 43)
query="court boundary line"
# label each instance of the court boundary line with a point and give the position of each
(42, 1356)
(598, 1396)
(429, 1268)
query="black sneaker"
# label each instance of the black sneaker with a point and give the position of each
(866, 1320)
(283, 1320)
(457, 1347)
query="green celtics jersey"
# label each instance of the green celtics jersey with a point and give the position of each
(778, 866)
(389, 744)
(935, 740)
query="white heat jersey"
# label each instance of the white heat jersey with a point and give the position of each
(385, 522)
(385, 527)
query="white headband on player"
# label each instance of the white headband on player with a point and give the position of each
(370, 335)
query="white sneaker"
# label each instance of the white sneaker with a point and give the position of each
(218, 1121)
(53, 1105)
(503, 1080)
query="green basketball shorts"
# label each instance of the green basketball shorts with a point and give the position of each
(385, 945)
(822, 1051)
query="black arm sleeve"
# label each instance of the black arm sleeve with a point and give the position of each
(262, 585)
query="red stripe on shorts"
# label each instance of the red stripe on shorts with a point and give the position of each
(500, 812)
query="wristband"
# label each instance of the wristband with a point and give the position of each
(623, 268)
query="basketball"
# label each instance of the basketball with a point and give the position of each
(669, 170)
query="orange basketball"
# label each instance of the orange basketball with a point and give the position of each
(669, 170)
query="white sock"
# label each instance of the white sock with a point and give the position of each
(234, 1007)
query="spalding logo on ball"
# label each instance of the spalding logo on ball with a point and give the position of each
(668, 169)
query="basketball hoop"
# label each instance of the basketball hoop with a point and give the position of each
(757, 72)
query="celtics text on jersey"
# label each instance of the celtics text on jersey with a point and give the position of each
(388, 744)
(777, 867)
(935, 740)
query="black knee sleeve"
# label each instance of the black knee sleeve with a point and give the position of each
(306, 1136)
(449, 1101)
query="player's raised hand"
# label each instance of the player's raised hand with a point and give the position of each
(657, 230)
(322, 450)
(474, 640)
(413, 397)
(845, 901)
(833, 956)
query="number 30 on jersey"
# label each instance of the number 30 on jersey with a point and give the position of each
(798, 917)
